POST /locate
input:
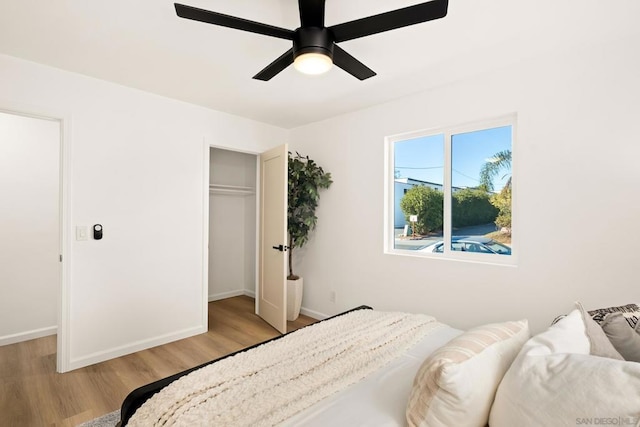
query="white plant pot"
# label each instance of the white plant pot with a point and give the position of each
(294, 298)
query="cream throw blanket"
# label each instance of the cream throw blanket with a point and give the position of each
(272, 382)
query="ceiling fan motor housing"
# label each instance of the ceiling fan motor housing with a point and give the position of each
(313, 40)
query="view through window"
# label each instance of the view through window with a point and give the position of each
(452, 191)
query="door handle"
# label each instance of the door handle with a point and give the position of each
(281, 248)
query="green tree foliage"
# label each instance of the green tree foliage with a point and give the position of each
(499, 162)
(427, 204)
(469, 207)
(502, 201)
(472, 206)
(306, 179)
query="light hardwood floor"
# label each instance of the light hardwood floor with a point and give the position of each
(33, 394)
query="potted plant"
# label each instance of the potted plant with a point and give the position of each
(306, 179)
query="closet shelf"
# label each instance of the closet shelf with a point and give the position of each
(231, 190)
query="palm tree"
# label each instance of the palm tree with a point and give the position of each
(499, 161)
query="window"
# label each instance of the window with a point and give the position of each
(449, 192)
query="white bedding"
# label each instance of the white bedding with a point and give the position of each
(381, 398)
(361, 363)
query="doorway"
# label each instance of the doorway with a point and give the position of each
(232, 224)
(241, 261)
(30, 226)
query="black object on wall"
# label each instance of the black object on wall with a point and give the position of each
(97, 232)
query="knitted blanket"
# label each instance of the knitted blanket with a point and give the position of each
(272, 382)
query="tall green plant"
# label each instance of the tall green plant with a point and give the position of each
(306, 179)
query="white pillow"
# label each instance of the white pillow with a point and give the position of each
(554, 381)
(456, 384)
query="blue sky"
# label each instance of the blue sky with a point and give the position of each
(423, 158)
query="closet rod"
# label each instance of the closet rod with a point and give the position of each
(231, 190)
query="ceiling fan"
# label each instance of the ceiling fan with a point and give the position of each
(314, 45)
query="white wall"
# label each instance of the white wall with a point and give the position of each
(29, 227)
(577, 178)
(136, 167)
(232, 226)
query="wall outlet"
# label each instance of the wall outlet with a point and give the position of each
(332, 296)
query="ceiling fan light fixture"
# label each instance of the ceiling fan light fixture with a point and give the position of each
(313, 63)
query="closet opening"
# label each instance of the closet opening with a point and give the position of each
(232, 259)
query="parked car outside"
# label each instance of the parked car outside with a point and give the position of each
(478, 244)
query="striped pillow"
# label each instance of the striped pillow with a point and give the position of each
(456, 384)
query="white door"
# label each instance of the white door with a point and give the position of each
(272, 270)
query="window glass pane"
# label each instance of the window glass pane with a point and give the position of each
(481, 191)
(418, 192)
(457, 246)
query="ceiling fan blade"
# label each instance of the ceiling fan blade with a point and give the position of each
(390, 20)
(190, 12)
(276, 66)
(311, 13)
(350, 64)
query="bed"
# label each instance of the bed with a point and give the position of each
(373, 368)
(375, 392)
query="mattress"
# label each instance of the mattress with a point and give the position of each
(381, 398)
(377, 398)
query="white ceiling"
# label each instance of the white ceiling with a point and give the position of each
(143, 44)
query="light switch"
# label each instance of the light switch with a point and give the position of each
(81, 232)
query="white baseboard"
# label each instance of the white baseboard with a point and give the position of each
(225, 295)
(252, 294)
(313, 314)
(101, 356)
(231, 294)
(28, 335)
